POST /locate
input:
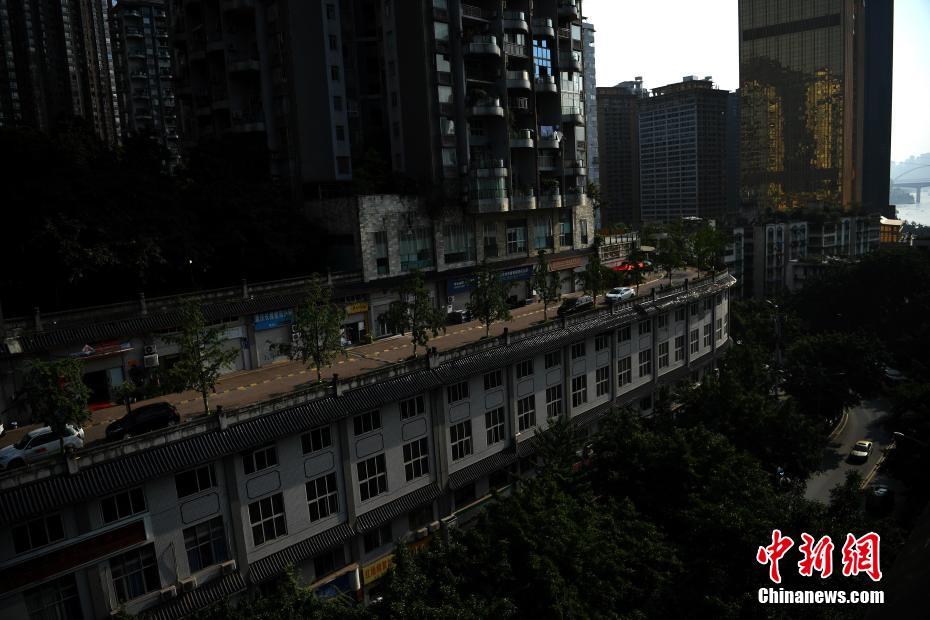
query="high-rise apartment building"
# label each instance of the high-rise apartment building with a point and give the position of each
(144, 74)
(812, 75)
(590, 102)
(57, 64)
(682, 151)
(618, 151)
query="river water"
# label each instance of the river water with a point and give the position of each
(919, 214)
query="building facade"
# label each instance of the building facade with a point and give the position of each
(618, 151)
(57, 64)
(590, 105)
(815, 102)
(144, 73)
(682, 151)
(171, 522)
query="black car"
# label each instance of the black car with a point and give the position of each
(576, 304)
(144, 419)
(457, 317)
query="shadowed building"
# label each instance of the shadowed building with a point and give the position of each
(618, 151)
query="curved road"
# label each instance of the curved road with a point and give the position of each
(864, 422)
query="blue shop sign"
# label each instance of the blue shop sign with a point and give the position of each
(467, 283)
(270, 320)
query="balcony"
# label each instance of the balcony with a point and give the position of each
(543, 27)
(487, 107)
(518, 80)
(520, 104)
(570, 61)
(487, 168)
(575, 198)
(576, 167)
(137, 53)
(572, 115)
(472, 12)
(515, 49)
(549, 139)
(550, 200)
(522, 139)
(546, 163)
(245, 122)
(133, 33)
(489, 201)
(140, 93)
(139, 75)
(523, 201)
(568, 10)
(483, 45)
(242, 63)
(545, 84)
(515, 21)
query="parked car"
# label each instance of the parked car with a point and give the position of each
(39, 444)
(143, 419)
(456, 317)
(880, 500)
(621, 293)
(576, 304)
(861, 451)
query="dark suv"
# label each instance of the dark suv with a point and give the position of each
(143, 419)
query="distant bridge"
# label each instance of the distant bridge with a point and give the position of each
(911, 183)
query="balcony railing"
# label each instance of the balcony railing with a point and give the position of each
(520, 103)
(543, 26)
(515, 49)
(472, 11)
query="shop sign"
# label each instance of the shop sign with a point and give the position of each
(467, 283)
(345, 583)
(379, 568)
(565, 263)
(270, 320)
(99, 349)
(359, 306)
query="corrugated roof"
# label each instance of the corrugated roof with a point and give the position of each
(274, 564)
(399, 506)
(483, 467)
(188, 603)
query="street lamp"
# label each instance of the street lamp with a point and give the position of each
(917, 441)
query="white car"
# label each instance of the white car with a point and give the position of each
(861, 451)
(39, 444)
(621, 293)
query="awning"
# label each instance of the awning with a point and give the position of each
(565, 263)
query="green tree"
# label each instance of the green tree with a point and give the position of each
(707, 246)
(672, 249)
(317, 328)
(126, 392)
(488, 301)
(595, 277)
(546, 283)
(57, 394)
(202, 354)
(413, 311)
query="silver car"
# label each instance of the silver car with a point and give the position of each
(39, 444)
(621, 293)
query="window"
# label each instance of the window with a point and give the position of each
(645, 403)
(695, 341)
(553, 359)
(516, 238)
(260, 459)
(524, 368)
(393, 99)
(316, 440)
(679, 348)
(719, 334)
(645, 362)
(726, 323)
(366, 422)
(579, 390)
(694, 309)
(331, 11)
(382, 259)
(680, 314)
(490, 238)
(458, 243)
(340, 133)
(328, 561)
(554, 401)
(460, 436)
(205, 544)
(663, 354)
(412, 407)
(624, 371)
(623, 334)
(322, 497)
(134, 573)
(123, 505)
(457, 392)
(378, 537)
(334, 73)
(372, 477)
(420, 517)
(493, 379)
(542, 58)
(415, 248)
(337, 103)
(266, 517)
(342, 164)
(543, 237)
(37, 533)
(708, 335)
(565, 230)
(494, 425)
(54, 599)
(416, 459)
(645, 327)
(333, 42)
(526, 413)
(601, 381)
(708, 304)
(441, 31)
(661, 321)
(578, 350)
(584, 231)
(601, 342)
(195, 481)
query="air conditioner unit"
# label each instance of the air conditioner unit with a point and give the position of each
(150, 361)
(228, 567)
(421, 533)
(189, 584)
(150, 349)
(449, 522)
(169, 593)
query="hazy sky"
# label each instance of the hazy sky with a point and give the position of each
(663, 41)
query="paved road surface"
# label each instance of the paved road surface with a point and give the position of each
(864, 422)
(251, 386)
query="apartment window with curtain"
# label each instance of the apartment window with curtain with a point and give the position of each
(490, 240)
(382, 260)
(416, 249)
(584, 231)
(516, 238)
(543, 237)
(565, 230)
(542, 58)
(458, 243)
